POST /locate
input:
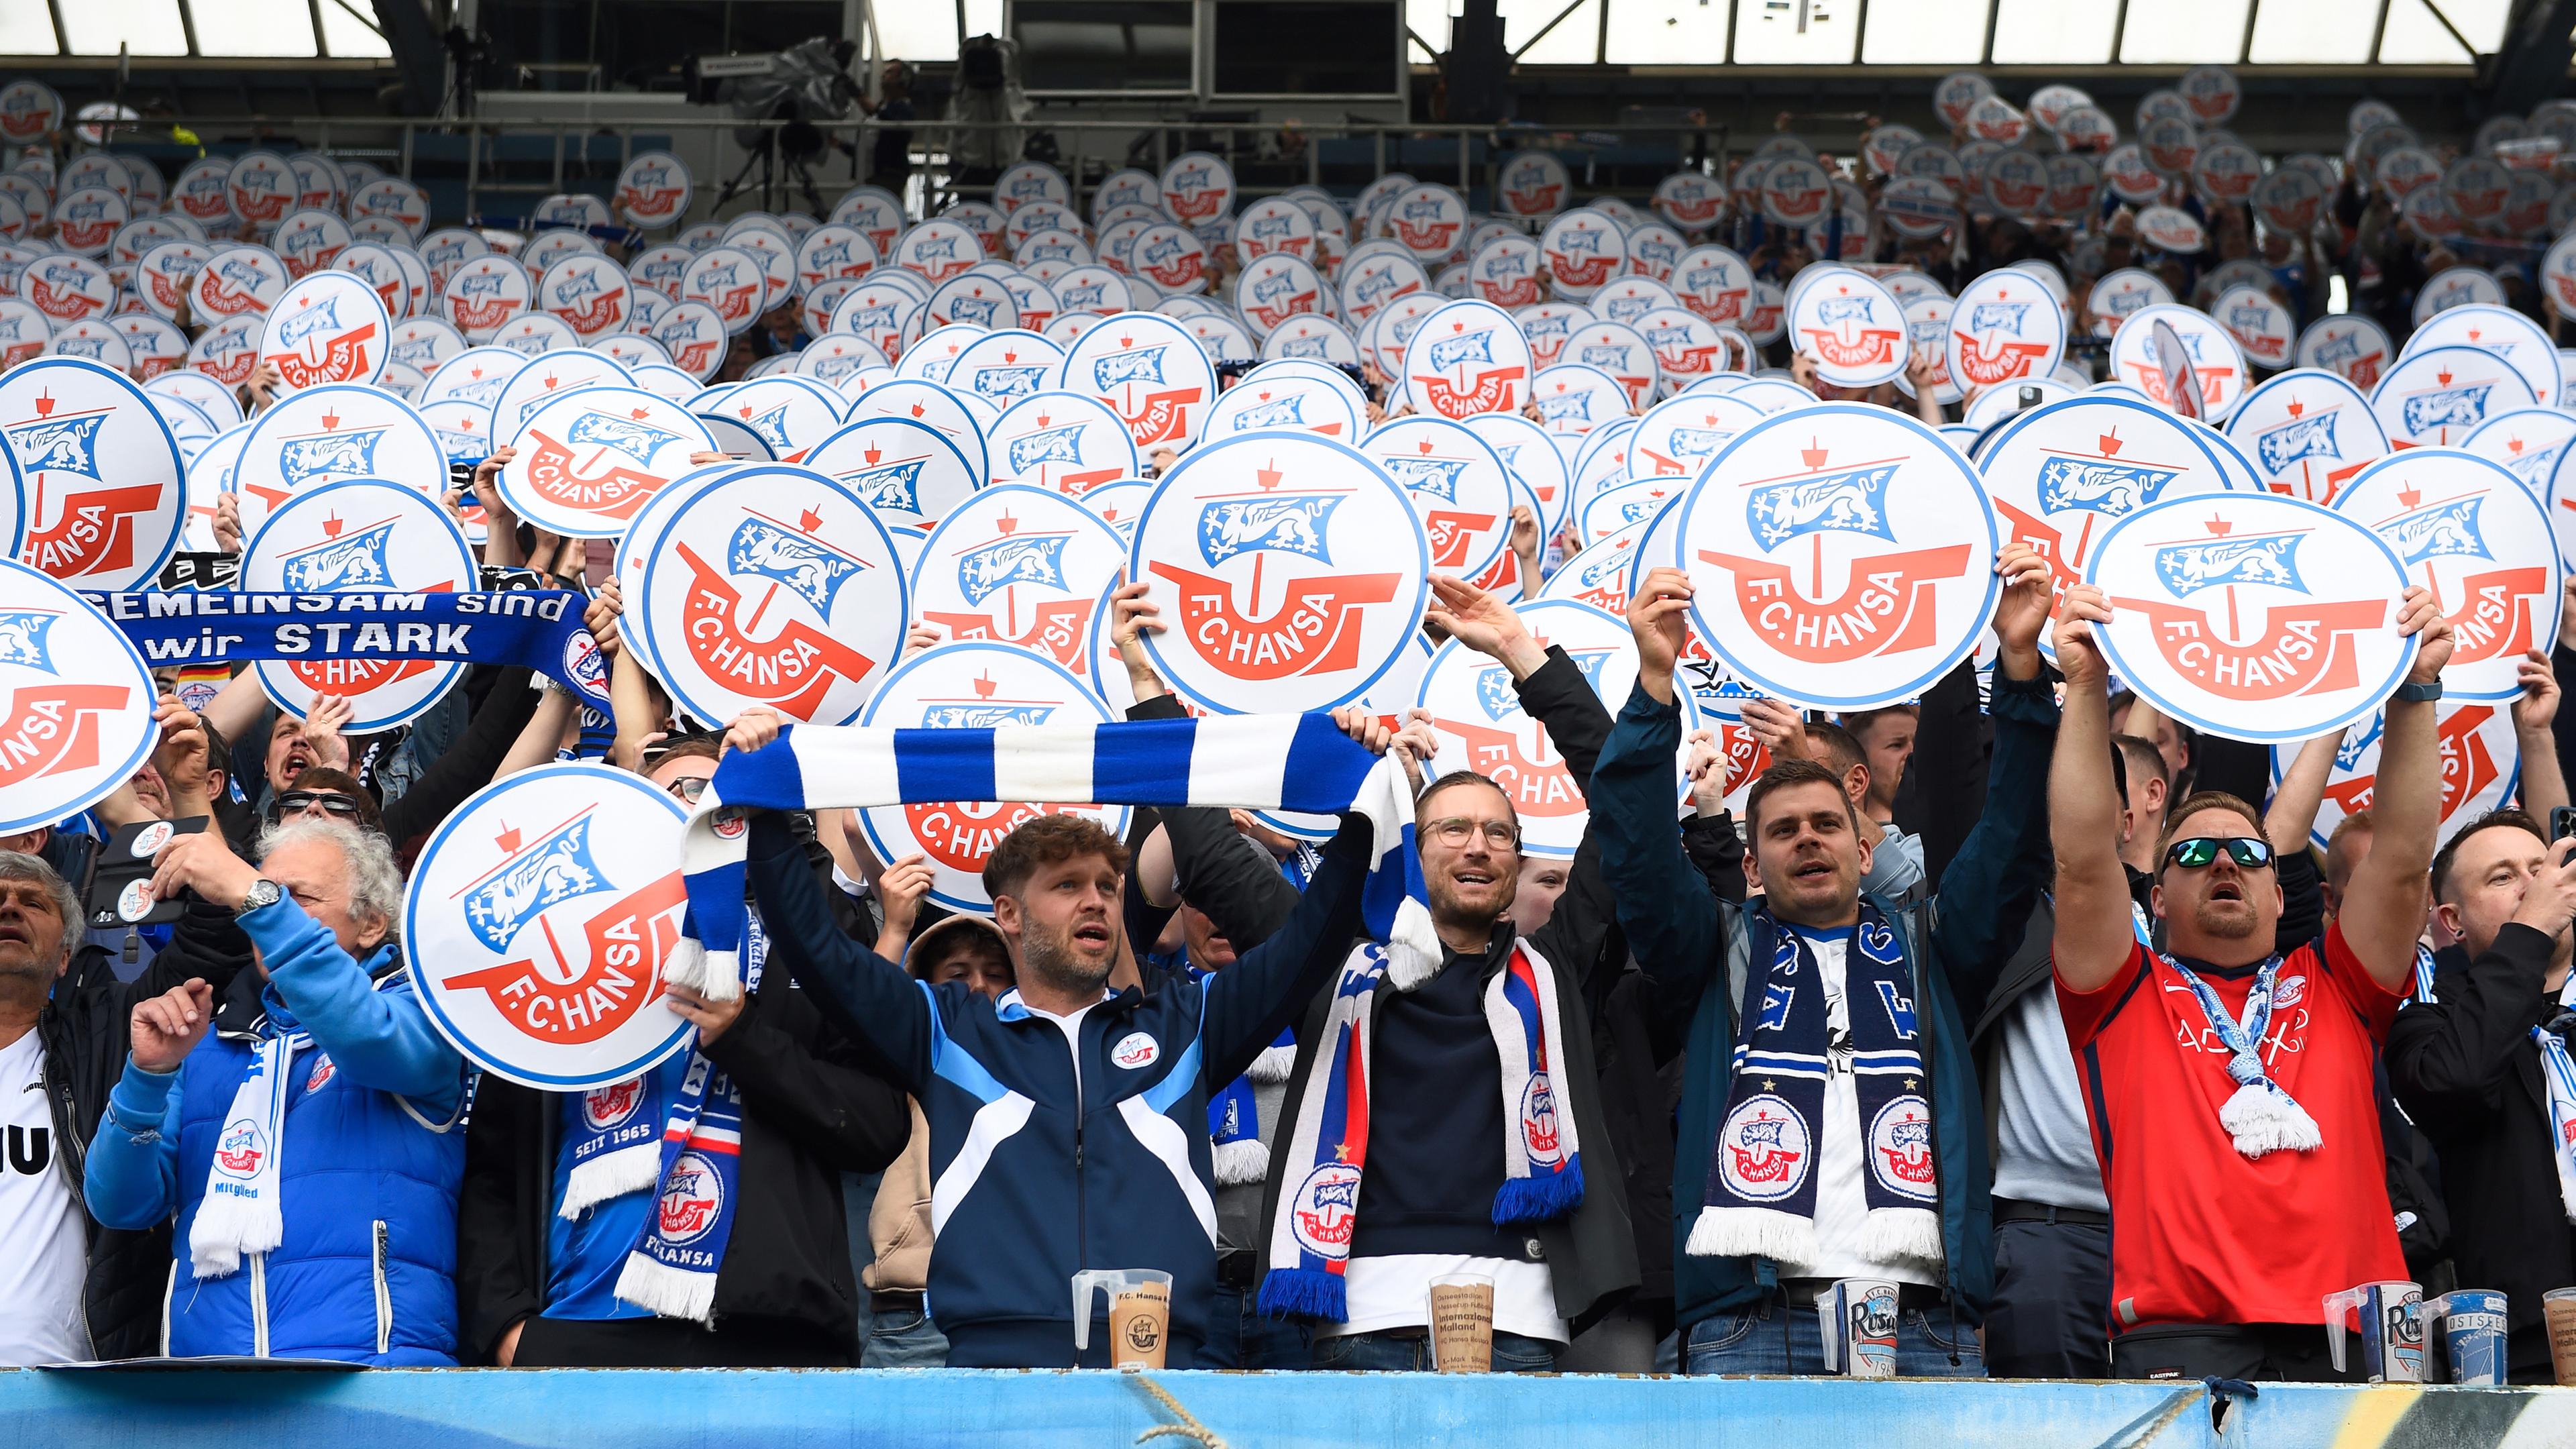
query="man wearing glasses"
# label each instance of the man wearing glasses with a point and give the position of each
(2230, 1087)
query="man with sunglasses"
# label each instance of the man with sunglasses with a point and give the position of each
(323, 793)
(2230, 1089)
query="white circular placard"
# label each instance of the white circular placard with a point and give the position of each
(1291, 571)
(99, 491)
(75, 702)
(361, 536)
(1019, 565)
(2253, 616)
(537, 921)
(2468, 529)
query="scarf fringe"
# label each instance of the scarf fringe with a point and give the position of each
(1241, 1162)
(1889, 1233)
(612, 1174)
(1540, 1197)
(715, 975)
(2264, 1119)
(1752, 1232)
(1273, 1065)
(228, 1227)
(669, 1292)
(1412, 947)
(1305, 1293)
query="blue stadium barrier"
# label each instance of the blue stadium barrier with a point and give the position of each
(958, 1409)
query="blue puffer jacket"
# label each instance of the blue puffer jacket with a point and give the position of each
(1046, 1161)
(368, 1166)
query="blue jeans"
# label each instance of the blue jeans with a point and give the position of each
(1759, 1340)
(903, 1340)
(1240, 1337)
(1395, 1353)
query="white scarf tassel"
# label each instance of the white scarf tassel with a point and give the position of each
(2263, 1118)
(1241, 1162)
(1890, 1233)
(611, 1174)
(669, 1292)
(1735, 1232)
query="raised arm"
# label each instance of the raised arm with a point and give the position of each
(1988, 888)
(2535, 718)
(1665, 906)
(2383, 909)
(871, 999)
(2094, 938)
(2302, 788)
(1250, 1002)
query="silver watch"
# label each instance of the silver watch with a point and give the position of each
(262, 892)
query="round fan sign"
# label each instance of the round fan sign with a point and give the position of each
(2508, 334)
(2481, 761)
(1150, 371)
(1060, 441)
(2353, 347)
(976, 686)
(1468, 357)
(2307, 432)
(100, 492)
(588, 293)
(1019, 565)
(1584, 249)
(2252, 616)
(536, 925)
(588, 459)
(2208, 353)
(1457, 484)
(75, 702)
(329, 327)
(2005, 326)
(1477, 710)
(907, 472)
(481, 295)
(653, 191)
(2471, 532)
(2062, 474)
(362, 536)
(1271, 398)
(1291, 571)
(779, 589)
(327, 435)
(1533, 184)
(1843, 556)
(1197, 188)
(2435, 397)
(1851, 326)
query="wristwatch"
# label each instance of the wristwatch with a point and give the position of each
(262, 892)
(2419, 693)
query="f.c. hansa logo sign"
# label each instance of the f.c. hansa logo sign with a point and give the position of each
(2251, 615)
(1841, 548)
(537, 922)
(1291, 572)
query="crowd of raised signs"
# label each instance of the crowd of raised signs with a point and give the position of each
(1296, 750)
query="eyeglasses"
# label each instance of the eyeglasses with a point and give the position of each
(1453, 831)
(296, 802)
(688, 788)
(2199, 852)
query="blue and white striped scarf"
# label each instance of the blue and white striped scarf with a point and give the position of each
(1300, 763)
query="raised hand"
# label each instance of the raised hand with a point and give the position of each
(750, 730)
(2420, 616)
(1658, 617)
(2079, 653)
(165, 1028)
(323, 722)
(1479, 619)
(2021, 609)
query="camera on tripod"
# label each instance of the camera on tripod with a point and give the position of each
(802, 86)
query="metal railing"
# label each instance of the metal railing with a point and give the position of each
(571, 158)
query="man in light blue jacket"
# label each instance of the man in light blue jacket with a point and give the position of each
(308, 1150)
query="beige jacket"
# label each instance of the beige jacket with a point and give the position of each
(899, 1223)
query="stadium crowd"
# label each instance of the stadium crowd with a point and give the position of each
(2117, 1062)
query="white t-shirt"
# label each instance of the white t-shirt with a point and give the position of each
(1842, 1198)
(47, 1261)
(1395, 1292)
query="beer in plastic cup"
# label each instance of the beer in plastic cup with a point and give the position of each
(1140, 1314)
(1462, 1323)
(2558, 1314)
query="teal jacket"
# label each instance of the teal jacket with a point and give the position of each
(1682, 936)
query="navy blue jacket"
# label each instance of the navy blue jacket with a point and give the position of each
(1686, 938)
(1043, 1162)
